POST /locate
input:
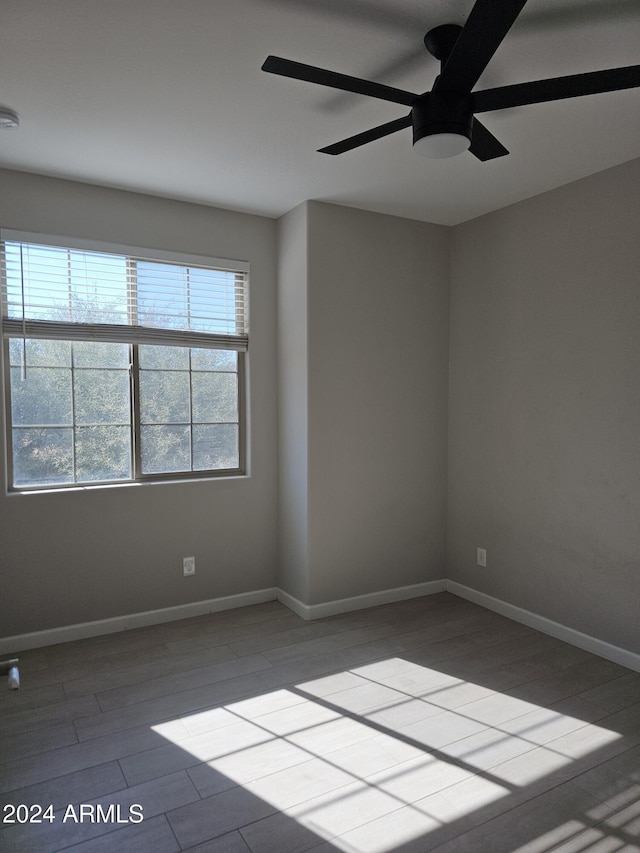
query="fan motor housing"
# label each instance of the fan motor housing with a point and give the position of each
(442, 112)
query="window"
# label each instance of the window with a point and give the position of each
(120, 365)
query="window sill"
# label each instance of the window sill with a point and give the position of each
(93, 487)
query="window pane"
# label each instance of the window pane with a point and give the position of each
(164, 397)
(214, 359)
(103, 453)
(42, 457)
(205, 315)
(215, 447)
(172, 296)
(40, 353)
(163, 295)
(97, 287)
(45, 273)
(169, 398)
(215, 397)
(43, 397)
(66, 284)
(88, 354)
(101, 397)
(164, 358)
(165, 449)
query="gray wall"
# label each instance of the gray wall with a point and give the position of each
(82, 555)
(544, 442)
(372, 325)
(544, 415)
(293, 404)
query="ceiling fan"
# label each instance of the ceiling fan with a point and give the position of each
(443, 119)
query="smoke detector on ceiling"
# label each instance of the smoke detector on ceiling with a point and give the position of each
(9, 119)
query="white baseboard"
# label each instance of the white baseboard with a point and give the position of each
(360, 602)
(37, 639)
(547, 626)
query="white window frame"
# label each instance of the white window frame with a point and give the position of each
(133, 336)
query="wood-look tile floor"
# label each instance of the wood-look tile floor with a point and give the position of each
(430, 724)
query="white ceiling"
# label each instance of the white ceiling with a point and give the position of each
(167, 97)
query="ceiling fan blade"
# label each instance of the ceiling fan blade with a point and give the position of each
(557, 88)
(367, 136)
(487, 24)
(300, 71)
(484, 145)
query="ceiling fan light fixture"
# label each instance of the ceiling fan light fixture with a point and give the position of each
(442, 125)
(440, 145)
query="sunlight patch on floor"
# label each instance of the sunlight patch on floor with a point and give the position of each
(384, 753)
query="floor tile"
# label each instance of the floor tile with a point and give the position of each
(418, 778)
(13, 702)
(166, 707)
(403, 712)
(397, 830)
(441, 729)
(72, 788)
(299, 783)
(78, 756)
(616, 694)
(165, 665)
(232, 842)
(150, 836)
(155, 763)
(366, 698)
(486, 749)
(342, 810)
(246, 765)
(280, 833)
(332, 735)
(132, 694)
(75, 824)
(265, 703)
(24, 719)
(364, 758)
(15, 746)
(217, 815)
(615, 782)
(330, 643)
(535, 826)
(427, 724)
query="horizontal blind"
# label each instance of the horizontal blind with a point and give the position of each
(65, 292)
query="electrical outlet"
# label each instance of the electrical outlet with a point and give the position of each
(188, 566)
(481, 557)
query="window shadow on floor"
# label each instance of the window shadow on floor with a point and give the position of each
(525, 744)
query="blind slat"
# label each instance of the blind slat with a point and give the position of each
(55, 291)
(113, 333)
